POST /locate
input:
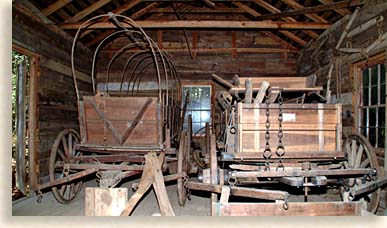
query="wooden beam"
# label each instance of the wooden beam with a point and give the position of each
(196, 24)
(342, 12)
(315, 9)
(80, 15)
(200, 10)
(256, 14)
(55, 6)
(218, 50)
(293, 4)
(273, 9)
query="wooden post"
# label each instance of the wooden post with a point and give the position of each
(249, 91)
(105, 201)
(21, 127)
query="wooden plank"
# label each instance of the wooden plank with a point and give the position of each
(195, 24)
(225, 194)
(105, 201)
(55, 6)
(209, 50)
(33, 122)
(296, 155)
(240, 191)
(302, 173)
(311, 10)
(82, 14)
(213, 160)
(66, 70)
(342, 12)
(135, 121)
(295, 209)
(321, 142)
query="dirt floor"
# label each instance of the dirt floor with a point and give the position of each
(199, 205)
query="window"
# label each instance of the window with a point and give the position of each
(199, 106)
(373, 104)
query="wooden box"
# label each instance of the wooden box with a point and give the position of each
(306, 128)
(124, 122)
(105, 201)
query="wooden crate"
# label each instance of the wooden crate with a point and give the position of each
(124, 122)
(306, 127)
(105, 201)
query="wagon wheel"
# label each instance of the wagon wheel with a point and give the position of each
(361, 155)
(63, 150)
(182, 166)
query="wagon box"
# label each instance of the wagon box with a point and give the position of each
(305, 127)
(122, 122)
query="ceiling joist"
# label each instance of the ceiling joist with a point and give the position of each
(195, 24)
(309, 10)
(82, 14)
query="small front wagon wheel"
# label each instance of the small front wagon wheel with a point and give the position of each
(63, 150)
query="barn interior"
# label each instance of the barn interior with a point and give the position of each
(199, 107)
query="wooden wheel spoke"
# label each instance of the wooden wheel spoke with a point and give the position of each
(71, 152)
(68, 191)
(359, 155)
(65, 146)
(353, 153)
(364, 163)
(61, 155)
(62, 189)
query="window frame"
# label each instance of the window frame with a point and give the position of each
(212, 97)
(357, 74)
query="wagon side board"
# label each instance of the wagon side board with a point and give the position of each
(306, 127)
(120, 122)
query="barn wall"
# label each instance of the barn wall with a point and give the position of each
(57, 106)
(224, 63)
(316, 57)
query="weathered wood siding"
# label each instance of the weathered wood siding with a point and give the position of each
(319, 63)
(57, 100)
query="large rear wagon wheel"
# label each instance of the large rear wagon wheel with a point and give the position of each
(63, 150)
(361, 155)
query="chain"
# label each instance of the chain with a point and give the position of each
(280, 151)
(39, 196)
(267, 152)
(187, 189)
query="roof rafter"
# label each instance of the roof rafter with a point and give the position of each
(80, 15)
(342, 12)
(256, 14)
(55, 6)
(314, 9)
(273, 9)
(293, 4)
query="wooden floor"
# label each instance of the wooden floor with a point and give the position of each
(199, 205)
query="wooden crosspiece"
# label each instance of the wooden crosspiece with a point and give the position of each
(152, 175)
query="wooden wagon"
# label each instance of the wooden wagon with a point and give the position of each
(281, 146)
(117, 126)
